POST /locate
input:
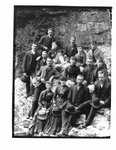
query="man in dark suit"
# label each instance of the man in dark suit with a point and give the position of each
(102, 93)
(45, 42)
(101, 66)
(29, 65)
(46, 73)
(77, 95)
(71, 71)
(88, 71)
(71, 50)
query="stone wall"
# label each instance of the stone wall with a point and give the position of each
(85, 26)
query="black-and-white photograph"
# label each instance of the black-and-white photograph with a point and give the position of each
(62, 72)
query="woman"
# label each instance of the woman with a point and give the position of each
(59, 102)
(42, 113)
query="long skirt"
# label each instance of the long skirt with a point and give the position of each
(53, 125)
(37, 126)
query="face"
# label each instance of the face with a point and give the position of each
(101, 78)
(48, 87)
(63, 83)
(72, 40)
(49, 62)
(50, 32)
(44, 54)
(34, 47)
(72, 62)
(99, 64)
(93, 46)
(79, 49)
(79, 80)
(89, 63)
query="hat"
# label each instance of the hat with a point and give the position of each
(42, 114)
(25, 78)
(56, 111)
(95, 103)
(70, 108)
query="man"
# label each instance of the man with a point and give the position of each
(88, 71)
(81, 56)
(100, 66)
(42, 60)
(94, 53)
(77, 95)
(71, 50)
(103, 95)
(71, 71)
(46, 73)
(29, 66)
(46, 41)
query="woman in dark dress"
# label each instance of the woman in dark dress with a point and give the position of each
(43, 112)
(54, 123)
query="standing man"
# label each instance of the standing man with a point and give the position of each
(103, 95)
(46, 73)
(29, 66)
(94, 53)
(46, 41)
(71, 50)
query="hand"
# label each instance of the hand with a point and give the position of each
(91, 88)
(42, 80)
(76, 108)
(38, 58)
(46, 48)
(85, 82)
(102, 102)
(25, 74)
(81, 69)
(50, 80)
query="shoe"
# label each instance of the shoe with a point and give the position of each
(60, 133)
(29, 135)
(41, 134)
(82, 126)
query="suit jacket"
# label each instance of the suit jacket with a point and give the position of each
(77, 97)
(88, 74)
(103, 93)
(29, 61)
(81, 58)
(46, 41)
(71, 50)
(46, 74)
(71, 72)
(94, 55)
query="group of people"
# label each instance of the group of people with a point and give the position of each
(84, 85)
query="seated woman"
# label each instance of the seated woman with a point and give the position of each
(42, 113)
(60, 96)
